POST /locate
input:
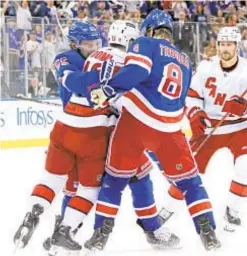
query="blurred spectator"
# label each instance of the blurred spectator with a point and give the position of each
(38, 9)
(199, 15)
(97, 8)
(183, 33)
(244, 42)
(50, 9)
(49, 52)
(177, 7)
(34, 50)
(21, 63)
(232, 19)
(137, 17)
(210, 50)
(242, 14)
(23, 15)
(38, 30)
(13, 37)
(131, 6)
(220, 17)
(166, 5)
(81, 14)
(4, 7)
(103, 33)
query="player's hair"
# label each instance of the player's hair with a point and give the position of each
(118, 46)
(72, 45)
(160, 33)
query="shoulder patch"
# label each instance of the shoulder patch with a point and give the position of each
(136, 48)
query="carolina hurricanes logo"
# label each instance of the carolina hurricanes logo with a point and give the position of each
(136, 48)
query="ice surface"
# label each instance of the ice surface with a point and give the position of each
(21, 169)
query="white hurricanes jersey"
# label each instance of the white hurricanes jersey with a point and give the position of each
(211, 87)
(78, 112)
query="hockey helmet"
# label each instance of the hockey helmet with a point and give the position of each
(157, 19)
(229, 34)
(81, 30)
(122, 32)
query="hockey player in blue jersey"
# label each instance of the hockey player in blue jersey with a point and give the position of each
(84, 39)
(157, 76)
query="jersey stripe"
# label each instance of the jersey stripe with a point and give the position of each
(140, 60)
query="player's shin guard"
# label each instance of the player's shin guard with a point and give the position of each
(144, 204)
(149, 220)
(197, 200)
(79, 206)
(106, 210)
(200, 209)
(109, 198)
(237, 198)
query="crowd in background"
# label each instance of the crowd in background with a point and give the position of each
(34, 32)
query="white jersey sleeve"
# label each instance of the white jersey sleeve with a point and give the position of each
(195, 96)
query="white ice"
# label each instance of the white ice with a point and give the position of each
(21, 168)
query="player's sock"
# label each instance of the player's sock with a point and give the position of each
(197, 200)
(49, 185)
(109, 198)
(144, 204)
(65, 202)
(79, 206)
(174, 199)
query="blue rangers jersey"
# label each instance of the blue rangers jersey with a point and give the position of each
(70, 75)
(158, 77)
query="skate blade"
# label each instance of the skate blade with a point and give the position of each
(19, 243)
(214, 247)
(92, 252)
(229, 227)
(167, 248)
(56, 250)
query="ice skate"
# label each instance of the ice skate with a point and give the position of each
(100, 237)
(47, 242)
(62, 242)
(232, 220)
(207, 234)
(161, 239)
(164, 215)
(30, 222)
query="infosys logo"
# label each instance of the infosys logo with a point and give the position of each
(2, 120)
(31, 117)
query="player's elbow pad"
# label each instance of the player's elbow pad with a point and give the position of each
(130, 76)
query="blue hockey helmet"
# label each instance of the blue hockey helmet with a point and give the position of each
(81, 30)
(157, 19)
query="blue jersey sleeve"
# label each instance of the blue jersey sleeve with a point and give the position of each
(138, 65)
(70, 75)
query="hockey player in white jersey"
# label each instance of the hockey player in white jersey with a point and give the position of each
(219, 90)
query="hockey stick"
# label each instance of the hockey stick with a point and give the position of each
(22, 97)
(215, 128)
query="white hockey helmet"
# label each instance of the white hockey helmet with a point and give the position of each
(229, 34)
(121, 32)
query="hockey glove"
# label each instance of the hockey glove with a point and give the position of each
(199, 121)
(98, 95)
(236, 106)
